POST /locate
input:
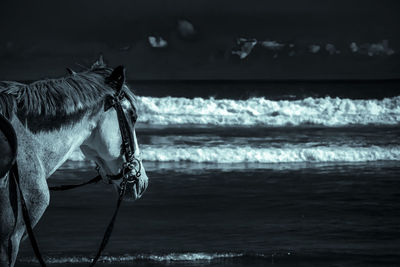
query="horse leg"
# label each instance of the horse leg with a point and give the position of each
(37, 199)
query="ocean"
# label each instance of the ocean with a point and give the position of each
(244, 178)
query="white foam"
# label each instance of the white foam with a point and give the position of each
(227, 154)
(263, 112)
(77, 155)
(199, 256)
(247, 154)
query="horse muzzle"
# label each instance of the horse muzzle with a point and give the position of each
(135, 189)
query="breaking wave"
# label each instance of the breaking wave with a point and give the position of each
(259, 111)
(185, 113)
(247, 154)
(199, 256)
(226, 154)
(230, 258)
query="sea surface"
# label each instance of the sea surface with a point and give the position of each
(244, 179)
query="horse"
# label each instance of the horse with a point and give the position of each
(52, 118)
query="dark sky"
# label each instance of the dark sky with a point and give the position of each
(41, 38)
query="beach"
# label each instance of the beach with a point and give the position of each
(235, 189)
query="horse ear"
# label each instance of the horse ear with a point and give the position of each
(99, 63)
(70, 71)
(117, 78)
(101, 60)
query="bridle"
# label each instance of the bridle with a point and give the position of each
(129, 174)
(131, 168)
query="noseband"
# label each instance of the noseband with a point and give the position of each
(131, 168)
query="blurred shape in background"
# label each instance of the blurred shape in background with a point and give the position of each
(245, 47)
(314, 48)
(378, 49)
(186, 30)
(157, 42)
(272, 45)
(331, 49)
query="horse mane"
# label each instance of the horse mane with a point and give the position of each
(7, 100)
(49, 104)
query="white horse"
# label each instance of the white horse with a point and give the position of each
(52, 118)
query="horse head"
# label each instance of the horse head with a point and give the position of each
(113, 144)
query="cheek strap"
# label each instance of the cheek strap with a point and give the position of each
(131, 169)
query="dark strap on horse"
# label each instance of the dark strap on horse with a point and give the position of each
(109, 228)
(72, 186)
(126, 135)
(14, 172)
(25, 214)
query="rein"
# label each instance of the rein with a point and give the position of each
(129, 174)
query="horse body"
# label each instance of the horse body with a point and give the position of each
(42, 152)
(36, 193)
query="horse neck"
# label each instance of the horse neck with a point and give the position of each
(53, 148)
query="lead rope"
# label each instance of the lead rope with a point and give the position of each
(110, 226)
(28, 224)
(72, 186)
(27, 219)
(25, 214)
